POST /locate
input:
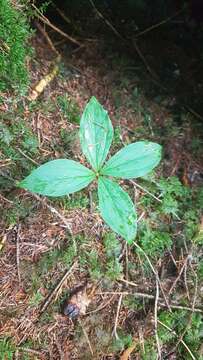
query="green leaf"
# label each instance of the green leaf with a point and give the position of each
(58, 178)
(96, 133)
(134, 160)
(117, 209)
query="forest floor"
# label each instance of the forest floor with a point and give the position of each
(57, 256)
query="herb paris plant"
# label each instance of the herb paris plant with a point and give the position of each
(63, 176)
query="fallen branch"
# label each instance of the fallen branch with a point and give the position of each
(49, 41)
(161, 302)
(5, 199)
(54, 27)
(39, 88)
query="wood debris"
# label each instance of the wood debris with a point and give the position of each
(127, 352)
(42, 84)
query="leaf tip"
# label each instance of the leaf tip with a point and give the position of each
(93, 99)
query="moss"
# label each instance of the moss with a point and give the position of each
(14, 35)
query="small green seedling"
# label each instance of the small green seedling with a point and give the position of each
(61, 177)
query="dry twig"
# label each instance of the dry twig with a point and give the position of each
(145, 190)
(31, 351)
(117, 316)
(179, 275)
(128, 282)
(102, 306)
(54, 292)
(54, 27)
(152, 195)
(155, 273)
(180, 307)
(48, 39)
(182, 342)
(161, 302)
(54, 211)
(64, 17)
(156, 319)
(86, 337)
(186, 284)
(155, 26)
(18, 228)
(106, 21)
(190, 317)
(5, 162)
(27, 157)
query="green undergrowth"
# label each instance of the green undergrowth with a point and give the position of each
(18, 143)
(7, 349)
(69, 109)
(178, 321)
(19, 211)
(14, 48)
(105, 266)
(173, 221)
